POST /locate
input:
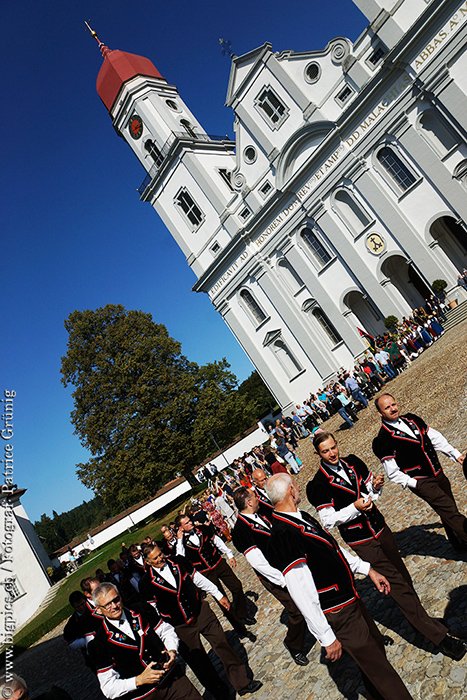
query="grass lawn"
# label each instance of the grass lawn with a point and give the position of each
(60, 609)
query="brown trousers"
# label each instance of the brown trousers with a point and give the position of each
(436, 491)
(179, 689)
(361, 639)
(383, 555)
(223, 572)
(296, 625)
(192, 650)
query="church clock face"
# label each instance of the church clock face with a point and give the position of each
(135, 126)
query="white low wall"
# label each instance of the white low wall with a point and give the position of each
(246, 444)
(128, 521)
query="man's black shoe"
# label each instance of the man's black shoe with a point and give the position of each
(248, 620)
(299, 658)
(388, 641)
(452, 647)
(246, 634)
(252, 687)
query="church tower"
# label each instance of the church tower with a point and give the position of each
(189, 172)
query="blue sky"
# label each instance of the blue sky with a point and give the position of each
(74, 233)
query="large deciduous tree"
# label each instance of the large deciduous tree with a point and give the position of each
(142, 409)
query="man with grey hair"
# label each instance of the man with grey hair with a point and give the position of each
(319, 578)
(13, 687)
(134, 652)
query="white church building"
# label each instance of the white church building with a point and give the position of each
(342, 198)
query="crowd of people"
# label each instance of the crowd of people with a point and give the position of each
(149, 609)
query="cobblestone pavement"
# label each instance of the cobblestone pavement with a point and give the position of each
(435, 387)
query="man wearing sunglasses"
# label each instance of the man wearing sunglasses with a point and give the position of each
(134, 652)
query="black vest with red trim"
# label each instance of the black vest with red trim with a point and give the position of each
(265, 506)
(204, 556)
(248, 533)
(328, 489)
(113, 649)
(294, 541)
(179, 605)
(415, 456)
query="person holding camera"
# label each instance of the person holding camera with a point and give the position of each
(134, 652)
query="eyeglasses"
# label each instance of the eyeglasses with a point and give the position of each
(108, 605)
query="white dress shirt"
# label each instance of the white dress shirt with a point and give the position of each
(329, 516)
(302, 589)
(111, 684)
(439, 443)
(199, 580)
(193, 537)
(258, 561)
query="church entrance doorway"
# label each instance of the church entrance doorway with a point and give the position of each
(367, 316)
(452, 239)
(407, 280)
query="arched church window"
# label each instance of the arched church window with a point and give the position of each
(254, 309)
(154, 152)
(290, 275)
(314, 244)
(437, 132)
(351, 211)
(189, 128)
(286, 358)
(326, 325)
(396, 168)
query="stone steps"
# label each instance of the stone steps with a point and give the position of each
(455, 316)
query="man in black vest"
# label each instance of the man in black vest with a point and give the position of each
(134, 652)
(259, 478)
(343, 491)
(204, 549)
(169, 542)
(407, 448)
(250, 536)
(171, 584)
(319, 578)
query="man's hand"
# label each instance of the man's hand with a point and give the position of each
(363, 505)
(460, 459)
(224, 602)
(150, 675)
(380, 581)
(378, 482)
(232, 562)
(180, 534)
(334, 650)
(172, 656)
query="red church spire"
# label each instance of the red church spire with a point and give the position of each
(117, 69)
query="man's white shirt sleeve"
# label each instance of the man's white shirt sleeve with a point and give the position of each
(167, 635)
(440, 443)
(113, 686)
(396, 475)
(301, 586)
(222, 547)
(206, 585)
(180, 548)
(333, 518)
(258, 561)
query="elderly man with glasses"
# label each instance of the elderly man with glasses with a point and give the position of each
(134, 652)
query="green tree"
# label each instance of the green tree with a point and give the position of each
(254, 388)
(141, 407)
